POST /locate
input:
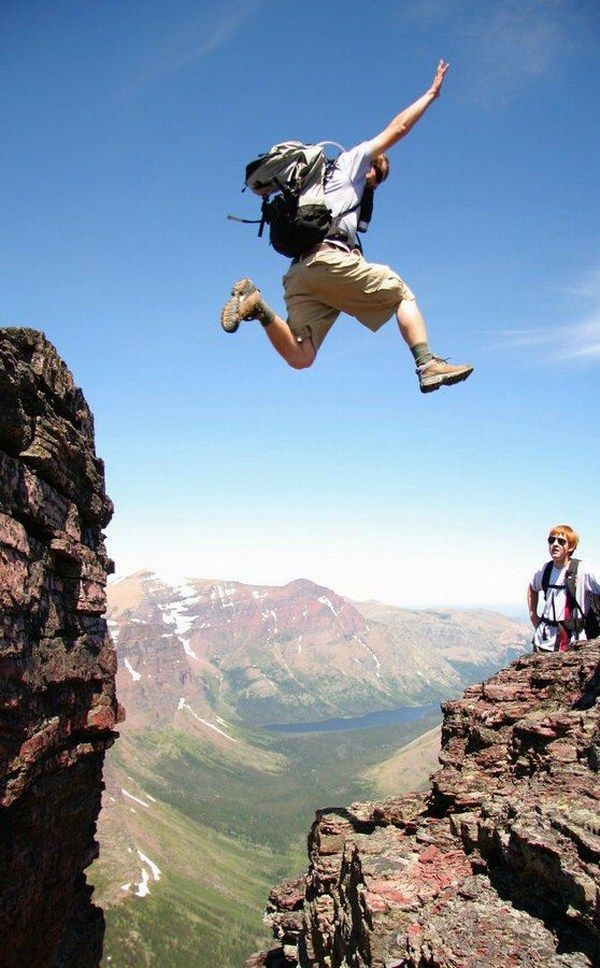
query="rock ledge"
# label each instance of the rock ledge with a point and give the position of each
(497, 866)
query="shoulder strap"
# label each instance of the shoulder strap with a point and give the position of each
(366, 209)
(571, 583)
(575, 621)
(571, 579)
(336, 144)
(546, 577)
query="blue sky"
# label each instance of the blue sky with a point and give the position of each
(126, 129)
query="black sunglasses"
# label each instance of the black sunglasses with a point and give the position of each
(561, 541)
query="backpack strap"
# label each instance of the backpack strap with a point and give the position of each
(578, 620)
(366, 209)
(546, 577)
(336, 144)
(571, 579)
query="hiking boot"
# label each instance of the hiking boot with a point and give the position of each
(245, 299)
(437, 373)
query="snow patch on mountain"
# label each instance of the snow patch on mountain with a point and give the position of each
(136, 676)
(223, 594)
(175, 614)
(325, 601)
(371, 653)
(149, 870)
(142, 888)
(113, 628)
(182, 704)
(270, 615)
(136, 799)
(155, 870)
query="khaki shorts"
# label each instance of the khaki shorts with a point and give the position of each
(330, 281)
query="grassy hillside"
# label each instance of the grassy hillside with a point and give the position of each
(204, 910)
(409, 768)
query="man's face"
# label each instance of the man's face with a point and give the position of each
(559, 549)
(378, 171)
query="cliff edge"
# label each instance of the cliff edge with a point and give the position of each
(496, 866)
(57, 663)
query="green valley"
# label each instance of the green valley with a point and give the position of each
(222, 829)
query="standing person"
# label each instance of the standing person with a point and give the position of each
(333, 277)
(568, 586)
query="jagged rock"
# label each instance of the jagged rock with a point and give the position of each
(57, 664)
(497, 866)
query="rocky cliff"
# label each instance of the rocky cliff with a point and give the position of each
(57, 663)
(496, 866)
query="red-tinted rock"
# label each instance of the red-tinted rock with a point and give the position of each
(497, 867)
(57, 664)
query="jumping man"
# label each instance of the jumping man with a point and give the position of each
(333, 277)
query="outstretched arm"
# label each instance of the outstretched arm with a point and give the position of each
(403, 122)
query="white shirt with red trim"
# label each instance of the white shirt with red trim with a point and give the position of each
(586, 584)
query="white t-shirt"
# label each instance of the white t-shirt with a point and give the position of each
(345, 185)
(586, 584)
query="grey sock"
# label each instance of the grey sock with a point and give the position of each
(264, 313)
(421, 353)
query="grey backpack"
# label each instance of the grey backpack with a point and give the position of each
(293, 173)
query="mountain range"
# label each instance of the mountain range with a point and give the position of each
(292, 653)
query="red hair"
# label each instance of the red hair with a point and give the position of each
(565, 531)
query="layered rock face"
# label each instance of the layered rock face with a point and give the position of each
(57, 663)
(496, 866)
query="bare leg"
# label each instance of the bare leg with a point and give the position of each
(411, 322)
(247, 303)
(432, 372)
(299, 354)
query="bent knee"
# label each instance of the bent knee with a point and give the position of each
(302, 362)
(304, 356)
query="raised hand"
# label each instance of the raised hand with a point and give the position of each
(439, 78)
